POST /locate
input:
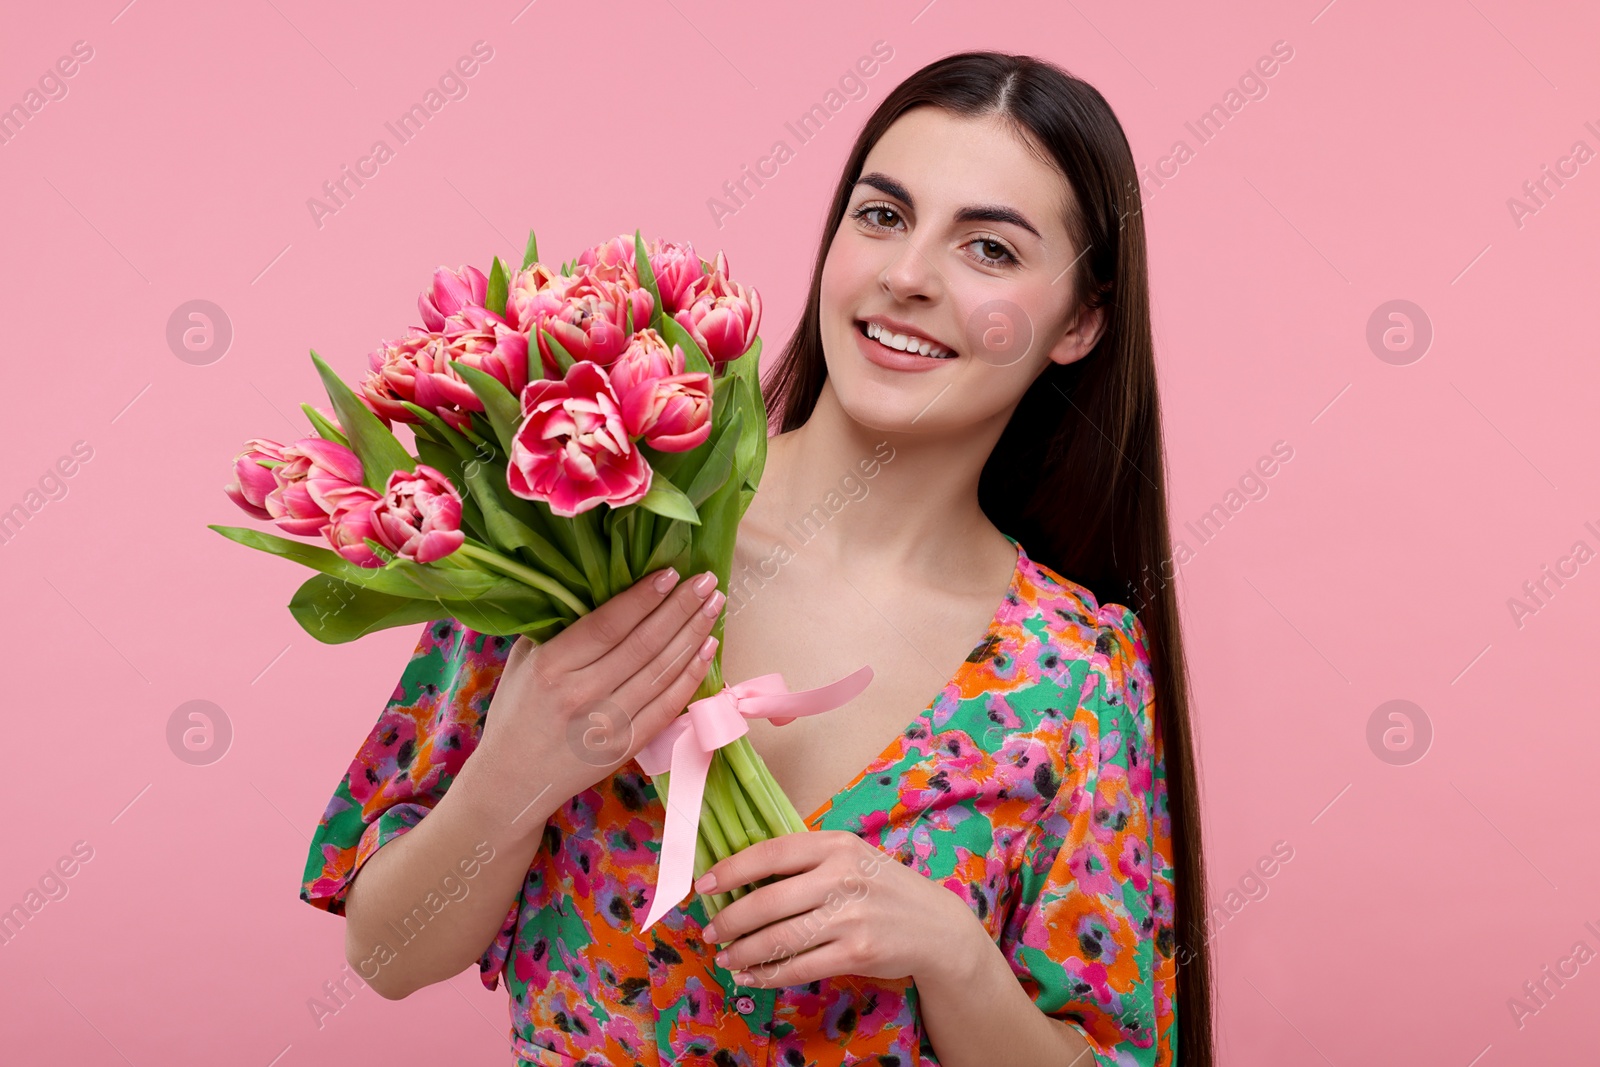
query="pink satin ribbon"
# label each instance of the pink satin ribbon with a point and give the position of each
(684, 748)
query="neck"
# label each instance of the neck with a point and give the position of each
(886, 501)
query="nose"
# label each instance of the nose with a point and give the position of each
(911, 274)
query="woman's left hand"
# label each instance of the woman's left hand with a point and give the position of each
(845, 907)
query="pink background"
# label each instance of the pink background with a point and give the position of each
(1378, 566)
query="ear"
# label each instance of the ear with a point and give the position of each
(1081, 335)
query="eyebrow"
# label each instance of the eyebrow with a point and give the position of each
(971, 213)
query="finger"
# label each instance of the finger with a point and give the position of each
(649, 680)
(784, 854)
(829, 960)
(757, 921)
(598, 632)
(656, 715)
(648, 637)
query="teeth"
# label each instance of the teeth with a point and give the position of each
(903, 343)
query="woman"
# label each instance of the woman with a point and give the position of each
(1040, 811)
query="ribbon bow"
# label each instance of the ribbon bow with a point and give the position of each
(684, 749)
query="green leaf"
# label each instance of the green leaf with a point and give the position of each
(591, 556)
(329, 562)
(719, 464)
(380, 454)
(753, 433)
(672, 550)
(507, 532)
(641, 532)
(503, 410)
(647, 275)
(335, 612)
(695, 361)
(530, 254)
(667, 499)
(620, 578)
(446, 580)
(495, 293)
(324, 428)
(442, 431)
(564, 360)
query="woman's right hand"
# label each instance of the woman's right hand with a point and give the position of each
(568, 712)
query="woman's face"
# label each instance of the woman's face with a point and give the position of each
(956, 232)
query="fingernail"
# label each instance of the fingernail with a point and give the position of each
(713, 604)
(666, 580)
(705, 583)
(706, 884)
(708, 648)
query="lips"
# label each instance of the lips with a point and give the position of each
(894, 359)
(883, 326)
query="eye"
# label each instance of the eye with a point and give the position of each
(1004, 251)
(1004, 256)
(864, 210)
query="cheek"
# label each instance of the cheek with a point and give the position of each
(847, 269)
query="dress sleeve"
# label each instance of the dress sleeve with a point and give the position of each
(1090, 935)
(432, 723)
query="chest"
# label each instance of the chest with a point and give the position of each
(813, 629)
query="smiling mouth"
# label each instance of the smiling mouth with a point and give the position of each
(914, 346)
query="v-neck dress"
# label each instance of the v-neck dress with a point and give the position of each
(1033, 786)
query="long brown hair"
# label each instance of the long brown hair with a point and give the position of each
(1078, 475)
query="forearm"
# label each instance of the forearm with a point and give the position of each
(977, 1014)
(393, 938)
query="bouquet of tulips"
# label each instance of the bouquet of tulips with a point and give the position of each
(574, 430)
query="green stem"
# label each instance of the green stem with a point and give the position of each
(755, 828)
(720, 803)
(769, 800)
(791, 816)
(542, 582)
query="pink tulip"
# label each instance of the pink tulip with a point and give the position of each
(450, 292)
(721, 315)
(314, 475)
(395, 366)
(676, 268)
(531, 294)
(419, 517)
(487, 344)
(669, 409)
(611, 261)
(421, 368)
(593, 322)
(572, 449)
(351, 523)
(253, 481)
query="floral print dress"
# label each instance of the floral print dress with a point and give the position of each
(1033, 787)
